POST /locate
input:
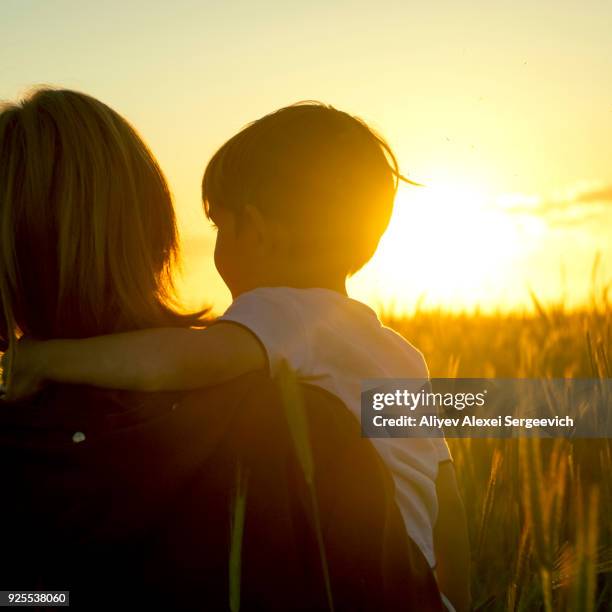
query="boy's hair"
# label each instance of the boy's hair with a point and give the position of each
(324, 174)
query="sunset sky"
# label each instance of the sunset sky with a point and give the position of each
(503, 110)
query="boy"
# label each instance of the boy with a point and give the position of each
(300, 199)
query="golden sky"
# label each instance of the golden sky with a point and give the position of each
(503, 110)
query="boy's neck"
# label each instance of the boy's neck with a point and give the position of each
(302, 281)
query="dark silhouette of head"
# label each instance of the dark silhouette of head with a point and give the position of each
(326, 177)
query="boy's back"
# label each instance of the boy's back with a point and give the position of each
(334, 342)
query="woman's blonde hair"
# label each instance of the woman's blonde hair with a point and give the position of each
(87, 229)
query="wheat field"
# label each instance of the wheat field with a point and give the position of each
(539, 511)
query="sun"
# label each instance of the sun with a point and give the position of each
(447, 245)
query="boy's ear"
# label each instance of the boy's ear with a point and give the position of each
(254, 224)
(266, 235)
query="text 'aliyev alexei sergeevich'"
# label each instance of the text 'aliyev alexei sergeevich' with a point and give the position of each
(497, 408)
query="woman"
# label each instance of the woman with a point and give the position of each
(134, 500)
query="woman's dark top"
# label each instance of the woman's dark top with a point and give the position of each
(125, 501)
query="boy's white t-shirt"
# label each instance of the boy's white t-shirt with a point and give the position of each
(334, 342)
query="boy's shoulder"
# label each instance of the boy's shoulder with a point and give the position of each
(317, 328)
(411, 353)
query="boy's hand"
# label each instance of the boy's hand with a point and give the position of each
(20, 378)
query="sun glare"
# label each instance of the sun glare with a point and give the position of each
(445, 245)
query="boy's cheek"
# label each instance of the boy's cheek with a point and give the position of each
(230, 265)
(221, 262)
